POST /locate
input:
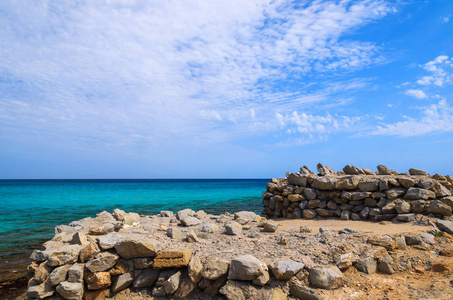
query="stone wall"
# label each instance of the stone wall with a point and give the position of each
(358, 194)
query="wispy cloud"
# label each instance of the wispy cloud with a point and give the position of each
(438, 73)
(419, 94)
(140, 72)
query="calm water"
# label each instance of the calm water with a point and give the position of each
(29, 210)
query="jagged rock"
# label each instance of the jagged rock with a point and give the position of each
(190, 221)
(390, 245)
(347, 183)
(326, 278)
(438, 207)
(42, 273)
(368, 171)
(448, 201)
(413, 240)
(137, 247)
(102, 261)
(345, 215)
(324, 170)
(407, 182)
(238, 290)
(324, 183)
(122, 281)
(246, 215)
(79, 238)
(313, 203)
(166, 213)
(102, 229)
(394, 193)
(108, 241)
(248, 267)
(174, 233)
(64, 255)
(383, 170)
(185, 213)
(131, 220)
(172, 258)
(70, 290)
(440, 190)
(413, 171)
(446, 226)
(352, 170)
(402, 207)
(88, 252)
(145, 278)
(346, 260)
(215, 268)
(300, 291)
(172, 283)
(294, 179)
(40, 291)
(366, 265)
(270, 226)
(284, 269)
(98, 281)
(118, 214)
(138, 263)
(75, 273)
(210, 228)
(58, 275)
(192, 237)
(194, 269)
(414, 193)
(233, 228)
(385, 264)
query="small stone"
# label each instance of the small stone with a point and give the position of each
(166, 214)
(122, 282)
(70, 290)
(174, 233)
(284, 269)
(102, 261)
(305, 229)
(98, 281)
(446, 226)
(326, 278)
(215, 268)
(300, 291)
(210, 228)
(40, 291)
(190, 221)
(118, 214)
(270, 226)
(192, 237)
(58, 275)
(233, 228)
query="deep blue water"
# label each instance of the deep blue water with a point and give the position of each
(30, 209)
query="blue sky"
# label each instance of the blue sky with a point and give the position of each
(223, 89)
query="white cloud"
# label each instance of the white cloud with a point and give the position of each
(434, 118)
(419, 94)
(439, 76)
(445, 19)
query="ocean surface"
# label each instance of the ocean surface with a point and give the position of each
(30, 209)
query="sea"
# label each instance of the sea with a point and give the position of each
(30, 209)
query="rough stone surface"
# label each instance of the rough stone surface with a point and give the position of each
(132, 248)
(102, 261)
(70, 290)
(190, 221)
(326, 278)
(215, 268)
(270, 226)
(248, 267)
(122, 281)
(172, 258)
(233, 228)
(446, 226)
(286, 268)
(300, 291)
(98, 281)
(145, 278)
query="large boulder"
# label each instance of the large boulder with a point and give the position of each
(248, 267)
(284, 269)
(326, 278)
(137, 247)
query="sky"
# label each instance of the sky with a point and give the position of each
(223, 89)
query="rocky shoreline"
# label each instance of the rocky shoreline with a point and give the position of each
(194, 255)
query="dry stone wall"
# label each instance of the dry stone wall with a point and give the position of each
(358, 194)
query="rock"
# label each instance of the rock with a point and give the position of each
(108, 241)
(438, 207)
(305, 229)
(295, 198)
(58, 275)
(347, 183)
(166, 214)
(137, 247)
(102, 261)
(414, 193)
(383, 170)
(190, 221)
(366, 265)
(418, 206)
(238, 290)
(324, 170)
(192, 237)
(429, 238)
(368, 171)
(131, 220)
(425, 184)
(352, 170)
(246, 215)
(293, 179)
(65, 229)
(401, 242)
(314, 203)
(448, 201)
(326, 278)
(324, 183)
(402, 207)
(394, 193)
(79, 238)
(407, 182)
(98, 281)
(406, 217)
(248, 267)
(40, 291)
(172, 258)
(385, 264)
(233, 228)
(300, 291)
(413, 240)
(413, 171)
(345, 215)
(118, 214)
(346, 260)
(284, 269)
(440, 190)
(70, 290)
(185, 213)
(390, 245)
(446, 226)
(215, 268)
(200, 214)
(88, 252)
(75, 273)
(122, 282)
(270, 226)
(64, 255)
(145, 278)
(442, 266)
(172, 283)
(210, 228)
(174, 233)
(125, 265)
(194, 269)
(96, 295)
(42, 273)
(102, 229)
(309, 214)
(369, 185)
(355, 217)
(310, 194)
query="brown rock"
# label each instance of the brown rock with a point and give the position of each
(390, 245)
(99, 280)
(194, 269)
(172, 258)
(215, 268)
(137, 247)
(96, 295)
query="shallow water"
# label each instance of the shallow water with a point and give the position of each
(30, 209)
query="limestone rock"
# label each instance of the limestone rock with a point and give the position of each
(174, 233)
(185, 213)
(102, 229)
(98, 281)
(215, 268)
(75, 273)
(440, 190)
(352, 170)
(233, 228)
(40, 291)
(390, 245)
(70, 290)
(88, 252)
(347, 183)
(192, 237)
(42, 272)
(131, 220)
(300, 291)
(118, 214)
(79, 238)
(346, 260)
(366, 265)
(172, 283)
(190, 221)
(59, 275)
(270, 226)
(326, 278)
(237, 290)
(248, 267)
(145, 278)
(108, 241)
(137, 247)
(102, 262)
(210, 228)
(369, 185)
(324, 183)
(172, 258)
(246, 215)
(394, 193)
(65, 255)
(383, 170)
(138, 263)
(402, 207)
(122, 281)
(438, 207)
(324, 170)
(310, 194)
(446, 226)
(406, 217)
(284, 269)
(414, 193)
(194, 269)
(413, 171)
(166, 214)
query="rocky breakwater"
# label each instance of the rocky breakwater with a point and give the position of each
(194, 255)
(358, 194)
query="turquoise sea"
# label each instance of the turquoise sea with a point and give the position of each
(30, 209)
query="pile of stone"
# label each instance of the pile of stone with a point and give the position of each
(358, 194)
